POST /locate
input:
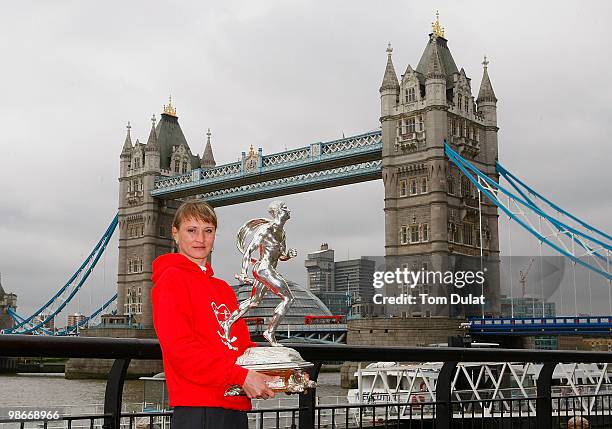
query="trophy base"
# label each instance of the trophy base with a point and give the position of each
(282, 362)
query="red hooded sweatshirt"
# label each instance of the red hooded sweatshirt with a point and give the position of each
(199, 363)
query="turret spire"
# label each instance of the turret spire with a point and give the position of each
(127, 145)
(208, 159)
(2, 293)
(486, 92)
(390, 78)
(152, 141)
(434, 65)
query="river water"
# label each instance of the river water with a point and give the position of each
(40, 391)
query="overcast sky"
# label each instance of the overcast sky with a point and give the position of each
(274, 74)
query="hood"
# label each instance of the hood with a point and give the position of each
(176, 260)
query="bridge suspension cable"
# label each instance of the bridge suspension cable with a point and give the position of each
(35, 323)
(74, 328)
(595, 244)
(517, 184)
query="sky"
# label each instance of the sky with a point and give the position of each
(275, 75)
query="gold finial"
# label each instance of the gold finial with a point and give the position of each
(436, 28)
(129, 126)
(153, 120)
(169, 109)
(208, 134)
(389, 49)
(251, 150)
(485, 63)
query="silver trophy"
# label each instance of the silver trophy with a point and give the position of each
(266, 238)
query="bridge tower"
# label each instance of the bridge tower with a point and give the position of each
(7, 300)
(432, 214)
(145, 223)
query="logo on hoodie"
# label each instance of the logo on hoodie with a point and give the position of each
(222, 313)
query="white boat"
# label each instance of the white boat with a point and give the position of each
(485, 389)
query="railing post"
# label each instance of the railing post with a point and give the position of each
(444, 409)
(308, 401)
(544, 399)
(114, 393)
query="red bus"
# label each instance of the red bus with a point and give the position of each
(322, 320)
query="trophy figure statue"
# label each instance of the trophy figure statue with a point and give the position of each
(266, 238)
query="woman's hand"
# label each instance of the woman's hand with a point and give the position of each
(255, 385)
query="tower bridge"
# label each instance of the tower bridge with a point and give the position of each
(427, 219)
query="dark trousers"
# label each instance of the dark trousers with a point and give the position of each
(208, 418)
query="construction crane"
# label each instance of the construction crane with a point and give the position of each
(523, 276)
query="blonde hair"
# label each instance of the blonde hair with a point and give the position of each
(198, 210)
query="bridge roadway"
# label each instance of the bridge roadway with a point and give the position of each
(518, 326)
(323, 334)
(320, 165)
(530, 326)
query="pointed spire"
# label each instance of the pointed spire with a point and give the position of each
(152, 141)
(2, 292)
(486, 92)
(434, 65)
(127, 145)
(390, 79)
(208, 160)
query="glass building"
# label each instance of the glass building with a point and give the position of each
(305, 304)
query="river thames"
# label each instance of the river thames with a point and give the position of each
(40, 391)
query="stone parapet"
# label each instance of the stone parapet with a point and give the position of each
(400, 331)
(80, 368)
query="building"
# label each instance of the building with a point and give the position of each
(343, 284)
(145, 223)
(339, 303)
(526, 307)
(431, 210)
(50, 324)
(305, 304)
(355, 277)
(74, 319)
(320, 268)
(7, 300)
(531, 307)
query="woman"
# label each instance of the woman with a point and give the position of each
(189, 304)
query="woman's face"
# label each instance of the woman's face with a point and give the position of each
(195, 239)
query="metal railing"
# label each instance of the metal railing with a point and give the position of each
(445, 412)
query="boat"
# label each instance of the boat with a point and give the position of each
(399, 391)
